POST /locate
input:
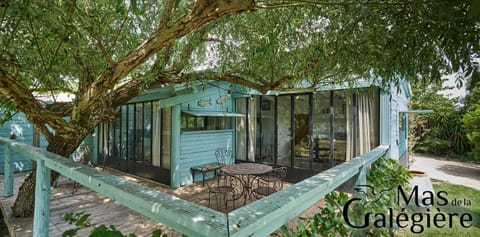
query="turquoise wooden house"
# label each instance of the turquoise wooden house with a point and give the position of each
(19, 129)
(164, 132)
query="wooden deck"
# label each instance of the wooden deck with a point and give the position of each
(103, 210)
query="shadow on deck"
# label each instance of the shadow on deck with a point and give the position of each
(104, 210)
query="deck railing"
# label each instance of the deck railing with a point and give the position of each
(259, 218)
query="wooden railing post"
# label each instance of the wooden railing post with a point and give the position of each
(360, 183)
(41, 216)
(362, 177)
(8, 172)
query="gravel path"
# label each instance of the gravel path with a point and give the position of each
(455, 172)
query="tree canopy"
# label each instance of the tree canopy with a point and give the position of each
(99, 50)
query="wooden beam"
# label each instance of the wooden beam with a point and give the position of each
(8, 172)
(41, 214)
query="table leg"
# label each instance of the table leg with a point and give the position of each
(247, 188)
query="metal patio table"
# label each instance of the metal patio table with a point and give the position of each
(247, 172)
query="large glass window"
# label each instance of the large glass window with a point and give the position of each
(302, 136)
(142, 133)
(308, 131)
(122, 149)
(147, 132)
(166, 137)
(139, 132)
(156, 134)
(342, 121)
(197, 123)
(321, 130)
(284, 147)
(265, 129)
(131, 132)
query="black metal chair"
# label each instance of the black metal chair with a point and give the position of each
(270, 183)
(224, 188)
(223, 155)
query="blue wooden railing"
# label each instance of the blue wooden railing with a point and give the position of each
(259, 218)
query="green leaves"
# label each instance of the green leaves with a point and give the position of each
(385, 174)
(471, 118)
(81, 221)
(104, 231)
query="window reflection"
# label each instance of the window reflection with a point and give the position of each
(141, 134)
(345, 125)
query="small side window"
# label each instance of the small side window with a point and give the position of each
(402, 125)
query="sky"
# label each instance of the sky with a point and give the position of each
(455, 92)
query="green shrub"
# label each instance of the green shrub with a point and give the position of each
(471, 121)
(385, 174)
(441, 132)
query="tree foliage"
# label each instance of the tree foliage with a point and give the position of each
(452, 129)
(471, 118)
(440, 132)
(99, 51)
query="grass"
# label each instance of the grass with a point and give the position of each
(457, 192)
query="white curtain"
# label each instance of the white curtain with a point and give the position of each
(349, 121)
(156, 128)
(365, 110)
(252, 128)
(105, 139)
(241, 130)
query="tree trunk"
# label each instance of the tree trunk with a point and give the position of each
(25, 202)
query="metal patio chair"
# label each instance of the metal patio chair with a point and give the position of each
(223, 155)
(225, 188)
(270, 183)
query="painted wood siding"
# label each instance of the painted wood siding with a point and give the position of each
(398, 102)
(212, 104)
(402, 105)
(24, 133)
(198, 148)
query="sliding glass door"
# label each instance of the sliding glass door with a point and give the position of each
(139, 141)
(302, 132)
(321, 131)
(308, 132)
(284, 131)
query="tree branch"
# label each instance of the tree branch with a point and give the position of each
(12, 89)
(103, 50)
(167, 14)
(292, 3)
(203, 12)
(62, 109)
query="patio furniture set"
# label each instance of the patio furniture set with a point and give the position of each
(232, 182)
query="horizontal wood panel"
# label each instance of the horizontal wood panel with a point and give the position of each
(198, 148)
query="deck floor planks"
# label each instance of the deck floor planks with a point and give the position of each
(103, 211)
